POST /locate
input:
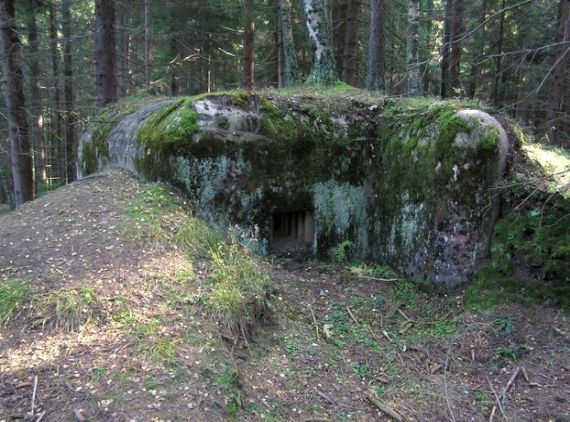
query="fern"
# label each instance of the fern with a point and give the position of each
(341, 251)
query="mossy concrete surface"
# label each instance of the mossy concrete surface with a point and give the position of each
(409, 183)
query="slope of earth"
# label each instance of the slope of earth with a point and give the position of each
(107, 312)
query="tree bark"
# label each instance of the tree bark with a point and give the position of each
(289, 53)
(445, 85)
(498, 59)
(53, 149)
(147, 43)
(412, 62)
(425, 67)
(279, 54)
(455, 48)
(376, 46)
(36, 138)
(174, 66)
(248, 47)
(69, 97)
(105, 52)
(18, 133)
(559, 103)
(324, 68)
(350, 52)
(123, 79)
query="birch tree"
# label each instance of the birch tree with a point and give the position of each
(324, 68)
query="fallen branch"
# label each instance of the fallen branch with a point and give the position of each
(492, 415)
(404, 315)
(385, 334)
(510, 383)
(316, 323)
(352, 315)
(34, 393)
(525, 375)
(387, 280)
(383, 407)
(41, 416)
(79, 416)
(324, 396)
(496, 398)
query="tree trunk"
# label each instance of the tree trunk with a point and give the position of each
(350, 52)
(558, 103)
(478, 47)
(376, 46)
(498, 59)
(324, 68)
(445, 86)
(53, 150)
(105, 52)
(455, 48)
(248, 47)
(70, 147)
(289, 53)
(279, 55)
(147, 43)
(425, 67)
(36, 138)
(412, 62)
(174, 66)
(20, 153)
(123, 82)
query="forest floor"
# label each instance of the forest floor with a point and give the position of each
(102, 319)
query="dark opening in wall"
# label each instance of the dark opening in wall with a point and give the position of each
(292, 231)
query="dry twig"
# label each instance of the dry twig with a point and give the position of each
(34, 393)
(387, 410)
(352, 315)
(510, 383)
(315, 322)
(497, 398)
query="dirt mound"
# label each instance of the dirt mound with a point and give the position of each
(105, 317)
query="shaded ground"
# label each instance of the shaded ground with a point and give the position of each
(114, 326)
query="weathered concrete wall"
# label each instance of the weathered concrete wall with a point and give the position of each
(409, 184)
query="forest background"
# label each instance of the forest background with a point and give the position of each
(510, 55)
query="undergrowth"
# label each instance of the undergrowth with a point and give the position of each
(67, 309)
(241, 295)
(13, 293)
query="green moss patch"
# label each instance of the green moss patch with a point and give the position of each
(491, 288)
(172, 126)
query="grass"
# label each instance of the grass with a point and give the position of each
(13, 293)
(68, 309)
(241, 294)
(491, 288)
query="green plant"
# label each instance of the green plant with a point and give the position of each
(241, 294)
(405, 292)
(228, 381)
(341, 251)
(506, 325)
(509, 352)
(480, 396)
(379, 390)
(362, 370)
(97, 374)
(13, 293)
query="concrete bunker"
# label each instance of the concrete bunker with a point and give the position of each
(292, 231)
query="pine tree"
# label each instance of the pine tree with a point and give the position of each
(20, 152)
